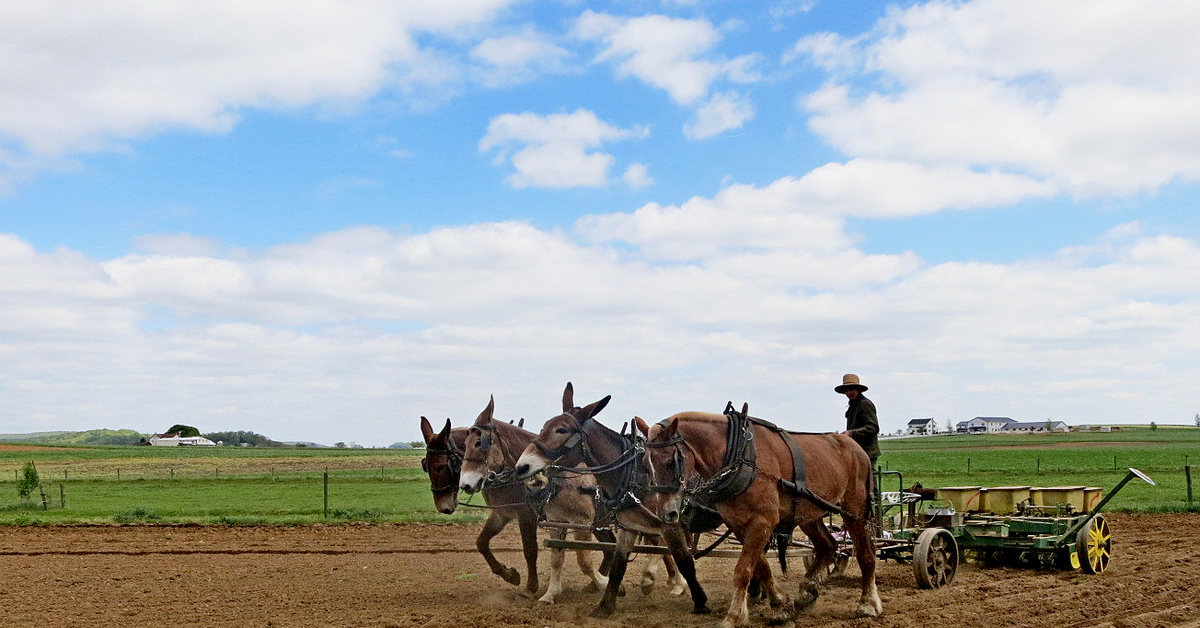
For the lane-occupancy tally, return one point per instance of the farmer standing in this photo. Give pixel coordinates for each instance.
(862, 424)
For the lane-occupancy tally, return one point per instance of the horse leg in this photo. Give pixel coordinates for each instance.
(584, 557)
(494, 524)
(556, 567)
(650, 571)
(616, 573)
(824, 550)
(529, 546)
(675, 582)
(604, 535)
(754, 540)
(781, 606)
(681, 551)
(869, 604)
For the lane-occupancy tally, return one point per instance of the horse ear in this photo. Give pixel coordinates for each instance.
(641, 426)
(568, 398)
(427, 430)
(521, 423)
(445, 434)
(592, 409)
(672, 428)
(485, 417)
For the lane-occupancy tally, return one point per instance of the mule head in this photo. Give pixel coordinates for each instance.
(665, 461)
(442, 462)
(480, 453)
(561, 440)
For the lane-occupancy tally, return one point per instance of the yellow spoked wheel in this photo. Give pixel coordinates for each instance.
(1094, 546)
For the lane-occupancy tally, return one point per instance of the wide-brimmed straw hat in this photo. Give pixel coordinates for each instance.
(849, 382)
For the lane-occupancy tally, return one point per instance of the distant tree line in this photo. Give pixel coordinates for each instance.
(239, 438)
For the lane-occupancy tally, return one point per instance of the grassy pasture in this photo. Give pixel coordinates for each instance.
(286, 486)
(1092, 459)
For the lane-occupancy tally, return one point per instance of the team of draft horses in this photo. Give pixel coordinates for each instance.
(687, 473)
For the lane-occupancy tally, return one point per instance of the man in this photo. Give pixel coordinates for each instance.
(862, 424)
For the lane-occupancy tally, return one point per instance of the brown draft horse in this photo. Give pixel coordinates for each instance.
(575, 438)
(489, 453)
(838, 472)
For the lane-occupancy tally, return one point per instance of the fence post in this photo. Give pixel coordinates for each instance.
(1187, 471)
(326, 491)
(45, 502)
(968, 466)
(1039, 470)
(62, 495)
(118, 473)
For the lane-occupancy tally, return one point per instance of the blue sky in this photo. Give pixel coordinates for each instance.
(322, 222)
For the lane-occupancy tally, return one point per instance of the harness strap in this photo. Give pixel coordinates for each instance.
(797, 484)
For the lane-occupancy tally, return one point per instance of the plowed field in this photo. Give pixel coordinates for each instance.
(430, 576)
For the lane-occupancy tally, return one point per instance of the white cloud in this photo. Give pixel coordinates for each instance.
(668, 53)
(769, 305)
(637, 177)
(116, 71)
(723, 112)
(520, 58)
(555, 150)
(1093, 98)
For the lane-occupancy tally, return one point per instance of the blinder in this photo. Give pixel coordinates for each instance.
(677, 466)
(454, 460)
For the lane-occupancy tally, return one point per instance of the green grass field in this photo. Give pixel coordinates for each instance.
(286, 485)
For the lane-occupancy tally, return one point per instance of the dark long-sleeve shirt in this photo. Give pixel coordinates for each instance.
(863, 425)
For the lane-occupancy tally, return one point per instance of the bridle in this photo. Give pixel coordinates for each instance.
(677, 466)
(454, 460)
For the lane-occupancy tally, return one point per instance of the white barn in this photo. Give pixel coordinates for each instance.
(174, 440)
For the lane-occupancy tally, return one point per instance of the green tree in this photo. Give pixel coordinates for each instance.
(183, 430)
(1153, 425)
(28, 481)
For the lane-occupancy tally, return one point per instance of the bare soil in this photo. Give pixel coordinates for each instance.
(409, 576)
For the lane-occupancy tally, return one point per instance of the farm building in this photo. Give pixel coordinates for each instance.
(174, 440)
(1037, 426)
(983, 425)
(921, 427)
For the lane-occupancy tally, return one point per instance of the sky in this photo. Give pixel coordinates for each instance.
(320, 221)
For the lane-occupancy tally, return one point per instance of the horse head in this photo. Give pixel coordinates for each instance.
(443, 462)
(562, 439)
(481, 453)
(667, 463)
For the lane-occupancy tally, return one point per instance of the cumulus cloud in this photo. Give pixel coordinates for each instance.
(675, 55)
(117, 72)
(1093, 98)
(555, 150)
(519, 58)
(367, 322)
(723, 112)
(637, 176)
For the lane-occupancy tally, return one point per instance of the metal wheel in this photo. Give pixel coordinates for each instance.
(1094, 545)
(935, 558)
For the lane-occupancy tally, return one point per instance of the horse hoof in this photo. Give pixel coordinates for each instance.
(591, 587)
(546, 599)
(807, 596)
(867, 609)
(701, 610)
(511, 576)
(621, 591)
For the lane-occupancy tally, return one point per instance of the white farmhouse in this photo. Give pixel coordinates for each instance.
(920, 427)
(175, 440)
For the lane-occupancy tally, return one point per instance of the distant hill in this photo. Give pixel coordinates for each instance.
(77, 439)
